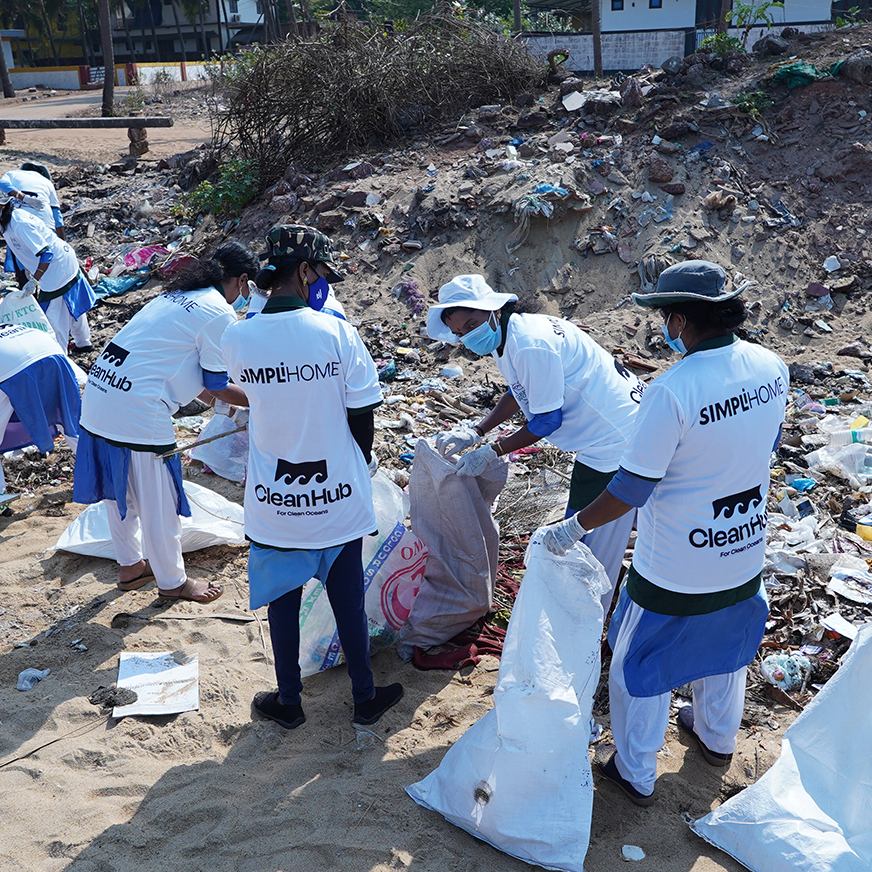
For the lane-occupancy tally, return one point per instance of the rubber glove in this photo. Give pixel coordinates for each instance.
(33, 202)
(31, 286)
(475, 462)
(559, 538)
(457, 439)
(372, 466)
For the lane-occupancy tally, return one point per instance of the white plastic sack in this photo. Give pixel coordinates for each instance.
(227, 457)
(812, 811)
(16, 307)
(452, 515)
(214, 521)
(520, 778)
(393, 564)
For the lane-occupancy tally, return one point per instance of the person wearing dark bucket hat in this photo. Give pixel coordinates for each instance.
(697, 469)
(312, 388)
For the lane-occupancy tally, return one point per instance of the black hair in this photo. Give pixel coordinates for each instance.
(6, 215)
(280, 269)
(36, 168)
(527, 306)
(229, 261)
(720, 317)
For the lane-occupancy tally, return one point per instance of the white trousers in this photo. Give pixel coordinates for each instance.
(81, 331)
(152, 513)
(608, 544)
(61, 321)
(6, 411)
(639, 723)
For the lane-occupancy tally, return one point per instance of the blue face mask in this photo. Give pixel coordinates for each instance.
(318, 292)
(484, 339)
(676, 344)
(239, 303)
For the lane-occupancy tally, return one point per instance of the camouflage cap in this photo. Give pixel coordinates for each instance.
(305, 243)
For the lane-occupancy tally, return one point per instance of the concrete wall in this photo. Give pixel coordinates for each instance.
(148, 72)
(59, 78)
(621, 51)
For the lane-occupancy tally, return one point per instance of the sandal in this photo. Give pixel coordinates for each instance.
(186, 592)
(139, 581)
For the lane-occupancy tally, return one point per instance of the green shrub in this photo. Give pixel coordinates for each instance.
(237, 184)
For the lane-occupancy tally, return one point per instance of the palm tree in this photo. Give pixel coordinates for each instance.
(108, 59)
(193, 9)
(5, 80)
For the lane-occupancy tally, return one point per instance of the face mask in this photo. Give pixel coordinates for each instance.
(240, 302)
(676, 344)
(484, 339)
(318, 292)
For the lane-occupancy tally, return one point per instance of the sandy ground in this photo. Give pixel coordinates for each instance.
(218, 789)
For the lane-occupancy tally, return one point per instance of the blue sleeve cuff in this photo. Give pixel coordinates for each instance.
(46, 256)
(58, 219)
(631, 489)
(545, 424)
(6, 187)
(509, 391)
(215, 381)
(778, 438)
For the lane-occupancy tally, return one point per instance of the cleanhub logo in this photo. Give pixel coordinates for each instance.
(741, 534)
(301, 473)
(113, 355)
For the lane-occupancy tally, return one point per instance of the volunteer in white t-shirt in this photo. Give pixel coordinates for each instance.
(697, 469)
(38, 388)
(167, 354)
(32, 188)
(570, 389)
(312, 388)
(64, 293)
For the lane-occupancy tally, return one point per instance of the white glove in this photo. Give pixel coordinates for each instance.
(456, 440)
(33, 202)
(372, 466)
(559, 538)
(475, 462)
(31, 286)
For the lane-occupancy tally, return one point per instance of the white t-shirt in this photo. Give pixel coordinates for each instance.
(22, 346)
(27, 236)
(307, 484)
(550, 364)
(34, 184)
(155, 364)
(706, 429)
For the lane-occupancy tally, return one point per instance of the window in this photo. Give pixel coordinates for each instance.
(617, 5)
(234, 6)
(655, 4)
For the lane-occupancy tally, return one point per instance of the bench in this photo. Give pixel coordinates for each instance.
(136, 127)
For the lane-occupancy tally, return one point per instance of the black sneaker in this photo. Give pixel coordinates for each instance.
(83, 349)
(713, 758)
(610, 770)
(288, 716)
(370, 711)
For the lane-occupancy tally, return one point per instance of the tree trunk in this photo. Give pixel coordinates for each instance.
(516, 9)
(5, 80)
(131, 50)
(86, 36)
(292, 16)
(177, 15)
(153, 30)
(108, 59)
(597, 27)
(304, 24)
(726, 5)
(48, 32)
(207, 48)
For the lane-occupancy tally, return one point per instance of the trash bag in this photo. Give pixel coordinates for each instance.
(227, 457)
(393, 568)
(520, 778)
(214, 521)
(452, 515)
(810, 811)
(16, 307)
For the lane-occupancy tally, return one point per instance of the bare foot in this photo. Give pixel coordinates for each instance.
(194, 591)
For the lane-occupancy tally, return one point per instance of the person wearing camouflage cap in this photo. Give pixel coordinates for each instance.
(312, 386)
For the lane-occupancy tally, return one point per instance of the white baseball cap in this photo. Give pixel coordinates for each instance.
(469, 292)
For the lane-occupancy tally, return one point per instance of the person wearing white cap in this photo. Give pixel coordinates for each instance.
(570, 389)
(64, 294)
(697, 469)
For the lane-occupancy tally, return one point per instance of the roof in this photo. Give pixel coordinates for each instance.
(578, 7)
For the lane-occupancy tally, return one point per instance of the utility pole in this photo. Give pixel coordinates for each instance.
(108, 59)
(597, 27)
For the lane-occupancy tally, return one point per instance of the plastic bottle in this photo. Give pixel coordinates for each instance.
(847, 437)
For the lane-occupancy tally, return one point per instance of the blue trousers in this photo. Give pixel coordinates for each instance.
(345, 590)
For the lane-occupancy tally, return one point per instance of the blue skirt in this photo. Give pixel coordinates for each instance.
(102, 470)
(80, 298)
(668, 651)
(43, 395)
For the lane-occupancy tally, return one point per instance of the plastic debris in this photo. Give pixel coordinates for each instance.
(788, 672)
(632, 852)
(28, 678)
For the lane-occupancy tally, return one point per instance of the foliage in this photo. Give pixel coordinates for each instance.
(747, 16)
(852, 18)
(355, 87)
(236, 186)
(752, 102)
(721, 43)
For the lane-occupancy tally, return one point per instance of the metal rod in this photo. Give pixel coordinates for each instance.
(203, 441)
